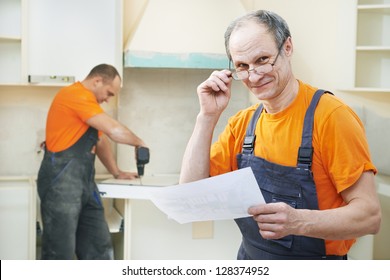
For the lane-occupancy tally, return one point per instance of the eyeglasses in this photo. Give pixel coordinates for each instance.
(262, 69)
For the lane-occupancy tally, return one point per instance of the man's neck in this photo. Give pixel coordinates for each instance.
(284, 99)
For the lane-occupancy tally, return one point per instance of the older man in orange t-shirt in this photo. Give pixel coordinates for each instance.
(307, 149)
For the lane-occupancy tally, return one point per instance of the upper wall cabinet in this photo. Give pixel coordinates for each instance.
(10, 41)
(372, 68)
(361, 54)
(47, 39)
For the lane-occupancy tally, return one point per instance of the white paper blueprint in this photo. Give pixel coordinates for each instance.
(226, 196)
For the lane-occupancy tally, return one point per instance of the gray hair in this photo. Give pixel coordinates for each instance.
(277, 26)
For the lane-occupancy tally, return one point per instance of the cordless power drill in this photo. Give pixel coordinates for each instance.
(142, 157)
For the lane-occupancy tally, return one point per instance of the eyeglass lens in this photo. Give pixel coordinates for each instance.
(260, 70)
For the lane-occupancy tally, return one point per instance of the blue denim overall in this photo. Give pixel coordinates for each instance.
(71, 208)
(292, 185)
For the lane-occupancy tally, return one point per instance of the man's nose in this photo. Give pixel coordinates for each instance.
(254, 76)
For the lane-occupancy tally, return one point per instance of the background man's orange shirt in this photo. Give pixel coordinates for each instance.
(341, 151)
(66, 120)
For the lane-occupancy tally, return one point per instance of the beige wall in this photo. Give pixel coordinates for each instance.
(22, 121)
(161, 106)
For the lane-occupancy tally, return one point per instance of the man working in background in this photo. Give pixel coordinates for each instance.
(307, 149)
(76, 129)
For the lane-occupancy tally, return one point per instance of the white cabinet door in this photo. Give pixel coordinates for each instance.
(68, 38)
(10, 41)
(17, 218)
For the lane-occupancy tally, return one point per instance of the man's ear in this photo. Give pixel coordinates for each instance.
(288, 47)
(97, 81)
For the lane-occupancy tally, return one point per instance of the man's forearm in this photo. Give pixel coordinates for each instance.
(104, 153)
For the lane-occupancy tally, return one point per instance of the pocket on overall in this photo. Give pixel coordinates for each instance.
(277, 190)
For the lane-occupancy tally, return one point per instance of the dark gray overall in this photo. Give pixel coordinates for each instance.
(292, 185)
(71, 208)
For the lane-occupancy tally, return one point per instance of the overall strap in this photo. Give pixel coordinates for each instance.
(305, 152)
(250, 137)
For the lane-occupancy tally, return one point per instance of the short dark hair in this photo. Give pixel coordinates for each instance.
(276, 25)
(106, 71)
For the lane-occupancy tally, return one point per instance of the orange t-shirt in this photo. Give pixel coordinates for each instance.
(341, 151)
(71, 107)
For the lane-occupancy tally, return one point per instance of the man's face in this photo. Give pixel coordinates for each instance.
(251, 46)
(104, 91)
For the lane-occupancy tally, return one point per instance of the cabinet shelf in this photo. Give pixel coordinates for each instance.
(24, 85)
(375, 8)
(373, 48)
(4, 39)
(373, 2)
(366, 90)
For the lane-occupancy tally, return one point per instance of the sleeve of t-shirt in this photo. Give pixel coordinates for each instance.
(220, 155)
(223, 153)
(85, 106)
(345, 148)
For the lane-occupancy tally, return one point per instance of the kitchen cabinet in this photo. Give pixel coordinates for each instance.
(68, 38)
(57, 41)
(130, 190)
(17, 218)
(372, 46)
(10, 41)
